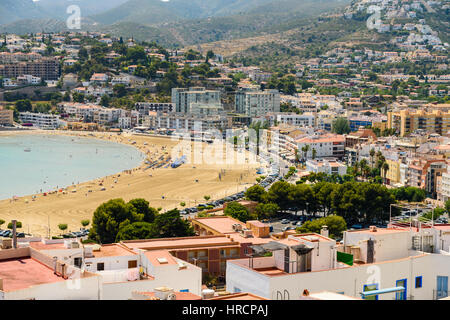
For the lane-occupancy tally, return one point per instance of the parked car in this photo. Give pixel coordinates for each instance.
(284, 221)
(356, 226)
(298, 224)
(287, 228)
(6, 233)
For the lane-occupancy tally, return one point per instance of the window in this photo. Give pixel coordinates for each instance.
(400, 295)
(132, 264)
(370, 287)
(419, 282)
(100, 266)
(77, 262)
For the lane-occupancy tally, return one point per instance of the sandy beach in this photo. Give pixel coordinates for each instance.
(162, 187)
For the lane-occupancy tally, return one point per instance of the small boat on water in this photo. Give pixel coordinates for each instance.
(27, 149)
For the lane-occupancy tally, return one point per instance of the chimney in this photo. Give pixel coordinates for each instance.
(55, 263)
(14, 226)
(1, 284)
(324, 231)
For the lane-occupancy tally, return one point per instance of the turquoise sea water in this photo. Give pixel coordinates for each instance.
(58, 161)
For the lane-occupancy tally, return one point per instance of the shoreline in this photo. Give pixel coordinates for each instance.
(163, 187)
(72, 134)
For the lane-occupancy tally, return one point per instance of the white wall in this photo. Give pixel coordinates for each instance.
(240, 278)
(349, 280)
(111, 263)
(387, 246)
(89, 288)
(169, 275)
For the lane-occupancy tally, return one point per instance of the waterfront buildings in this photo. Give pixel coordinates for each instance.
(257, 103)
(182, 98)
(6, 116)
(40, 120)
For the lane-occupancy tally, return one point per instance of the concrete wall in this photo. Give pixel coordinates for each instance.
(169, 275)
(388, 246)
(14, 253)
(241, 279)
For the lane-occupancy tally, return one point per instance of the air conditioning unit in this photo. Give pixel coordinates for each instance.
(237, 227)
(208, 294)
(6, 243)
(88, 252)
(247, 233)
(163, 293)
(75, 245)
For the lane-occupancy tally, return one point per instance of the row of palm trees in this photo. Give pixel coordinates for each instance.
(363, 167)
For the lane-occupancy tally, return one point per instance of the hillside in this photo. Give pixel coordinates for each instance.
(88, 7)
(287, 14)
(151, 12)
(13, 10)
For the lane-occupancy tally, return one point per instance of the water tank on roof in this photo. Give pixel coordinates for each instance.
(208, 294)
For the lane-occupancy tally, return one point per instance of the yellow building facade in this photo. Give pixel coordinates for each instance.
(406, 121)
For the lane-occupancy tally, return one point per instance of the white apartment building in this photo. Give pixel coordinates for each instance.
(182, 98)
(145, 107)
(200, 109)
(327, 145)
(186, 122)
(125, 80)
(106, 115)
(40, 120)
(444, 194)
(257, 103)
(298, 120)
(29, 79)
(328, 166)
(119, 270)
(381, 259)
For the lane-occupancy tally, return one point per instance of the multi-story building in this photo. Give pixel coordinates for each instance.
(423, 173)
(40, 120)
(406, 121)
(293, 119)
(328, 166)
(182, 98)
(46, 69)
(257, 103)
(385, 261)
(6, 116)
(327, 145)
(145, 107)
(444, 187)
(187, 122)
